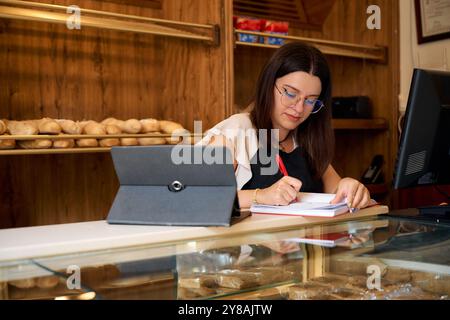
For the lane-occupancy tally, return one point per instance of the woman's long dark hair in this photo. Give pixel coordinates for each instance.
(315, 135)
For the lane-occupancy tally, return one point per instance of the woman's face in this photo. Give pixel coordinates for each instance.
(295, 86)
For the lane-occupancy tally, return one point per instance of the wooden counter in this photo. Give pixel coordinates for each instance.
(44, 241)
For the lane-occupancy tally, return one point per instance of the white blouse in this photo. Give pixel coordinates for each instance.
(242, 140)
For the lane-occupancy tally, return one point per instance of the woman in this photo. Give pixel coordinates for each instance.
(292, 95)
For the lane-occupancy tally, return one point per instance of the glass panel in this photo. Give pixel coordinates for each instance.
(382, 258)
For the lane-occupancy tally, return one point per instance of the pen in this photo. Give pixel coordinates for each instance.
(281, 165)
(282, 168)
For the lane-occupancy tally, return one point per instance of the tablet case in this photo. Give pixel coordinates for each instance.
(154, 190)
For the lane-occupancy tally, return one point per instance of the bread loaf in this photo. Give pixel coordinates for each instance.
(173, 128)
(22, 127)
(151, 141)
(150, 125)
(2, 127)
(63, 143)
(87, 143)
(112, 129)
(93, 127)
(131, 126)
(35, 144)
(129, 142)
(83, 124)
(113, 121)
(7, 144)
(69, 126)
(169, 126)
(48, 126)
(111, 142)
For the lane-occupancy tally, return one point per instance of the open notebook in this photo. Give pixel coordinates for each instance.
(309, 204)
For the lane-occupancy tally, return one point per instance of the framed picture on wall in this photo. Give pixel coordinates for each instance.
(432, 20)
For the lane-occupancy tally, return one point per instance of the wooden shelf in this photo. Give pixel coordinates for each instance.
(19, 151)
(336, 48)
(360, 124)
(43, 12)
(96, 136)
(14, 152)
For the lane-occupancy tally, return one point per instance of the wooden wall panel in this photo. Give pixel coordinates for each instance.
(347, 22)
(48, 70)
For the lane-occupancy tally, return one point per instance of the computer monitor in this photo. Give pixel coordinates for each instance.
(424, 151)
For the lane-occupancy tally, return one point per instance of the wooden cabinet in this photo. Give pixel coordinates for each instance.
(93, 73)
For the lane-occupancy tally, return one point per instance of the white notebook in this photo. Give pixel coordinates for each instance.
(309, 204)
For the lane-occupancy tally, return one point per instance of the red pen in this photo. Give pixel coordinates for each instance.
(281, 165)
(282, 169)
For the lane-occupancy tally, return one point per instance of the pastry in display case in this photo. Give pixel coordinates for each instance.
(383, 259)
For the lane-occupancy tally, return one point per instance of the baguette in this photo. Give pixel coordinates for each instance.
(69, 126)
(173, 128)
(83, 124)
(22, 127)
(35, 144)
(87, 143)
(7, 144)
(113, 121)
(63, 143)
(149, 125)
(93, 127)
(170, 126)
(112, 129)
(131, 126)
(111, 142)
(48, 126)
(2, 127)
(129, 142)
(152, 141)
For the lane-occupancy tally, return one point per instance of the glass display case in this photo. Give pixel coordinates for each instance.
(375, 258)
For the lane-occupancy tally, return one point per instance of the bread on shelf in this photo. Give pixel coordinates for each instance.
(87, 143)
(22, 127)
(7, 143)
(63, 143)
(150, 125)
(109, 126)
(48, 126)
(69, 126)
(2, 127)
(151, 141)
(129, 142)
(35, 144)
(131, 126)
(111, 142)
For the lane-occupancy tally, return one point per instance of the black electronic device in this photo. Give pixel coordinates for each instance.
(175, 185)
(358, 107)
(424, 152)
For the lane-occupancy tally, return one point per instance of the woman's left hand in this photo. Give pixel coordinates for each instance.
(356, 193)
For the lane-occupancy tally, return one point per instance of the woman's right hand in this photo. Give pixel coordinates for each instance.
(281, 193)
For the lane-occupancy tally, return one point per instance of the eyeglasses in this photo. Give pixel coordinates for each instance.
(289, 99)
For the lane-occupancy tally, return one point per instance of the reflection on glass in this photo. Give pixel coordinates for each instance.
(371, 259)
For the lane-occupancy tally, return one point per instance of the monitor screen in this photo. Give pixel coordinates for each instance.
(424, 151)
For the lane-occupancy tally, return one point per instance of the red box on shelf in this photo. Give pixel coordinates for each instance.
(248, 24)
(275, 27)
